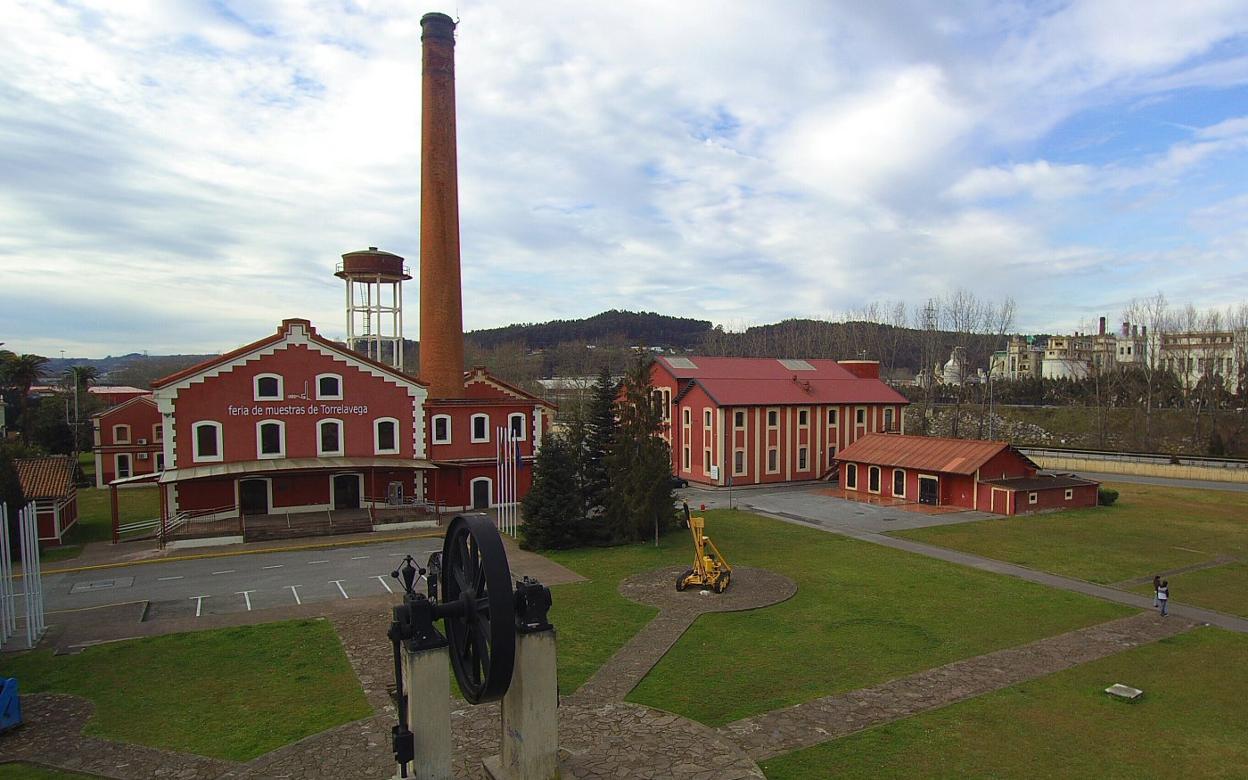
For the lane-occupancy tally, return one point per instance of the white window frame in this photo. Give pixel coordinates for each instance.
(706, 417)
(255, 388)
(117, 437)
(902, 472)
(472, 429)
(117, 465)
(889, 417)
(738, 419)
(879, 479)
(198, 457)
(770, 451)
(803, 418)
(377, 450)
(158, 433)
(1033, 498)
(472, 490)
(744, 466)
(433, 429)
(1070, 494)
(321, 397)
(511, 426)
(803, 454)
(834, 417)
(342, 439)
(281, 440)
(851, 476)
(160, 462)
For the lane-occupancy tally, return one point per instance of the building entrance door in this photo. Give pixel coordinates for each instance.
(929, 490)
(481, 494)
(253, 497)
(346, 491)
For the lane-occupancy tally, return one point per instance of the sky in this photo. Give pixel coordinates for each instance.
(179, 176)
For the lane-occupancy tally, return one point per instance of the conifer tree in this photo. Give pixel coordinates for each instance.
(639, 497)
(600, 430)
(553, 509)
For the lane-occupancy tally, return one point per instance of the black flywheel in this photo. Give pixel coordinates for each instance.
(478, 604)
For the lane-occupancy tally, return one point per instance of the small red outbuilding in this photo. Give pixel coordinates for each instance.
(48, 482)
(991, 476)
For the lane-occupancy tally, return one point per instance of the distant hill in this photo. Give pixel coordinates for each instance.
(609, 327)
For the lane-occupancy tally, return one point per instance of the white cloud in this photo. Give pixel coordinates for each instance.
(1040, 179)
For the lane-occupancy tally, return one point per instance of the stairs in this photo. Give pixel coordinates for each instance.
(268, 527)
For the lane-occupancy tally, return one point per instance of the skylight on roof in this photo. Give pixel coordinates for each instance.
(680, 362)
(797, 365)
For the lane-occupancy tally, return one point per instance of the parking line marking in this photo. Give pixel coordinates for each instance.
(274, 566)
(224, 571)
(199, 604)
(397, 555)
(384, 584)
(246, 594)
(358, 557)
(295, 590)
(166, 579)
(312, 562)
(340, 590)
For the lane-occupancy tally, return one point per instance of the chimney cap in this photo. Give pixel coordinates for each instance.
(437, 25)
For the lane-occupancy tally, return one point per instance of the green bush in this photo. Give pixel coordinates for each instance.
(1106, 496)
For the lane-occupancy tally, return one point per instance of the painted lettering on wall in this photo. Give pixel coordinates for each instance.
(295, 410)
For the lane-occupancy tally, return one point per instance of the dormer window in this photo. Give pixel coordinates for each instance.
(267, 387)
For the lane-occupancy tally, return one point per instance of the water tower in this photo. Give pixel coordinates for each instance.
(375, 303)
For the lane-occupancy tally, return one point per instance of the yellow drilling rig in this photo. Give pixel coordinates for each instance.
(710, 570)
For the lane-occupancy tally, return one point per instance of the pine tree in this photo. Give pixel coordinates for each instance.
(600, 431)
(639, 497)
(553, 516)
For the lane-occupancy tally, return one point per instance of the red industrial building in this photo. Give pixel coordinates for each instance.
(762, 420)
(991, 476)
(48, 482)
(129, 440)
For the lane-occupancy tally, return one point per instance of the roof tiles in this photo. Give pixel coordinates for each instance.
(47, 477)
(768, 381)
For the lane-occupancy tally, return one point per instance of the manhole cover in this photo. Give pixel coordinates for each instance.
(94, 585)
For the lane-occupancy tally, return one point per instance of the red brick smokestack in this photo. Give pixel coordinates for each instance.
(441, 310)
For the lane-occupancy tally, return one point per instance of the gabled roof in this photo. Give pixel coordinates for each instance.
(146, 398)
(283, 332)
(47, 477)
(481, 375)
(768, 381)
(928, 453)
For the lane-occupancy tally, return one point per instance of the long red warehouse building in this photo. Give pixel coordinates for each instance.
(763, 420)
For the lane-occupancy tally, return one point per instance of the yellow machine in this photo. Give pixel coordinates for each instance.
(710, 570)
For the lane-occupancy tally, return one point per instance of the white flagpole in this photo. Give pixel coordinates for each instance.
(498, 474)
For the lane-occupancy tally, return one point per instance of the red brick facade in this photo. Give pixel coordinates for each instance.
(129, 440)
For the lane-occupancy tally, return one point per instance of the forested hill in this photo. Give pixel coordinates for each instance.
(609, 327)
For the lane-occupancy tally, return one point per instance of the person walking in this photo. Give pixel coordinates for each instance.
(1156, 587)
(1163, 595)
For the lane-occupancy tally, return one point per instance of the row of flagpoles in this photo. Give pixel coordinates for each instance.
(507, 451)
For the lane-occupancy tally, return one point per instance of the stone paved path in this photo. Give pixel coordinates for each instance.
(820, 720)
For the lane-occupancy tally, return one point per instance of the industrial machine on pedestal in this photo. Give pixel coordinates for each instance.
(500, 646)
(710, 570)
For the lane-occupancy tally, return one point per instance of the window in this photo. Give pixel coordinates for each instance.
(801, 458)
(206, 438)
(831, 417)
(329, 437)
(860, 416)
(121, 434)
(738, 462)
(706, 417)
(831, 455)
(1069, 494)
(267, 387)
(773, 460)
(158, 433)
(738, 418)
(686, 417)
(851, 476)
(123, 466)
(773, 418)
(480, 428)
(706, 460)
(441, 429)
(386, 436)
(160, 461)
(328, 387)
(899, 483)
(515, 422)
(888, 419)
(270, 439)
(686, 459)
(1033, 498)
(802, 417)
(873, 479)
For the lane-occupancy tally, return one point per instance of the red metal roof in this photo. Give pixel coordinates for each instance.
(929, 453)
(768, 381)
(47, 477)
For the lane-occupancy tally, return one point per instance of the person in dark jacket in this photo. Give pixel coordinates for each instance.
(1156, 587)
(1163, 595)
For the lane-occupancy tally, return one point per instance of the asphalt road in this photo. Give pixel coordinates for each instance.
(213, 586)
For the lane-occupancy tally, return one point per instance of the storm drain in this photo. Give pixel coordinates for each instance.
(94, 585)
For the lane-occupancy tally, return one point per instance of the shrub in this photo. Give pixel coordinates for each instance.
(1106, 496)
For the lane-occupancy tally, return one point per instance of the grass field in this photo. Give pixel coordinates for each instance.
(1150, 529)
(233, 693)
(1224, 588)
(95, 518)
(863, 614)
(1189, 723)
(19, 771)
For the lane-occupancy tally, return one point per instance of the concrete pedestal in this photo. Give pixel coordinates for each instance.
(530, 738)
(427, 680)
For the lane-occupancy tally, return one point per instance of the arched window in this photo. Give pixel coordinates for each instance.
(270, 439)
(441, 428)
(873, 479)
(515, 422)
(267, 387)
(851, 476)
(329, 437)
(386, 436)
(480, 428)
(328, 387)
(206, 441)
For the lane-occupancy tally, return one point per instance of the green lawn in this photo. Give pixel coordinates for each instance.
(1189, 723)
(1150, 529)
(233, 693)
(95, 518)
(18, 771)
(863, 614)
(1224, 588)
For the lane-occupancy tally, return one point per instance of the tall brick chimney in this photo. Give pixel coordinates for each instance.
(441, 309)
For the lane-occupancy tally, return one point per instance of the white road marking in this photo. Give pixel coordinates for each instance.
(358, 557)
(340, 590)
(274, 566)
(312, 562)
(246, 594)
(199, 604)
(166, 579)
(397, 555)
(295, 590)
(224, 571)
(384, 584)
